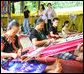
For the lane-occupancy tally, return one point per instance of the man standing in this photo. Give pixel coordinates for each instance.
(26, 21)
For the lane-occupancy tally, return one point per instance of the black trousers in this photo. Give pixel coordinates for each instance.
(45, 31)
(49, 23)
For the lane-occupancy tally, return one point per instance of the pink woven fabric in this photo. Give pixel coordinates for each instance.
(59, 48)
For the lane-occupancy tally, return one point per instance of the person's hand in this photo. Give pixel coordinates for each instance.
(28, 21)
(41, 15)
(19, 52)
(14, 55)
(46, 15)
(78, 32)
(50, 40)
(51, 15)
(57, 36)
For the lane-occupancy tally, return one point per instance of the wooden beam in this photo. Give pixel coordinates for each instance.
(38, 5)
(5, 6)
(14, 1)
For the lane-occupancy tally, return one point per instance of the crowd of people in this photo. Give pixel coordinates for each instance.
(10, 42)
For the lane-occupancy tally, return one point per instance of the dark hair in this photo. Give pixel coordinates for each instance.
(49, 4)
(38, 21)
(43, 7)
(25, 7)
(13, 23)
(66, 22)
(56, 19)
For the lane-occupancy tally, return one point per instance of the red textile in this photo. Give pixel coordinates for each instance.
(59, 48)
(46, 60)
(2, 5)
(68, 66)
(71, 66)
(56, 49)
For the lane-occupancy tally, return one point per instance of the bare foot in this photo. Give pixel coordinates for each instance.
(80, 57)
(55, 68)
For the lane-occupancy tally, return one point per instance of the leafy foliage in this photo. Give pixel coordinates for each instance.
(33, 5)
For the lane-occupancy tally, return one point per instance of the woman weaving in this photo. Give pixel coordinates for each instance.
(38, 39)
(10, 41)
(11, 47)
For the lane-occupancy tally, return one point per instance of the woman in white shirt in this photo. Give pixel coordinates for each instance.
(50, 14)
(42, 15)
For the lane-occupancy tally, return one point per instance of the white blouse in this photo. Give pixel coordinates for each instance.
(42, 13)
(49, 13)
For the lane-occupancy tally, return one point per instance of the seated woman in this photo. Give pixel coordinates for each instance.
(65, 30)
(53, 29)
(37, 38)
(10, 43)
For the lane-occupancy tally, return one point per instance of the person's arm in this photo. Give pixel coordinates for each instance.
(37, 43)
(53, 14)
(68, 32)
(29, 13)
(51, 33)
(20, 47)
(46, 13)
(40, 14)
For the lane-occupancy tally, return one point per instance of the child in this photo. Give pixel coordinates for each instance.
(53, 28)
(65, 30)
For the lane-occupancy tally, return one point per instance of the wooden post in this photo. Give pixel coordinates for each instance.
(9, 7)
(5, 5)
(9, 11)
(13, 9)
(39, 5)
